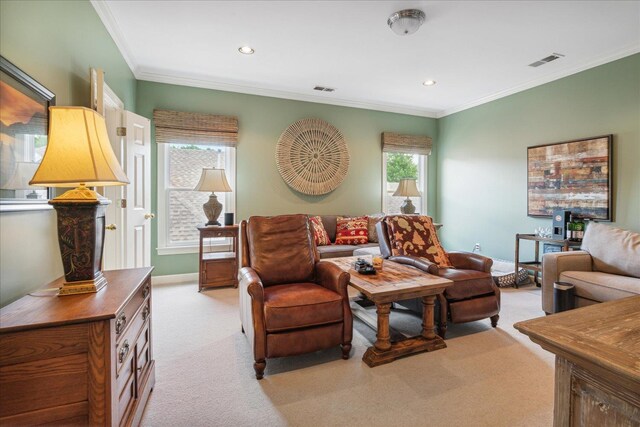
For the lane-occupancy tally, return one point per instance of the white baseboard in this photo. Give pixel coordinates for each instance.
(174, 278)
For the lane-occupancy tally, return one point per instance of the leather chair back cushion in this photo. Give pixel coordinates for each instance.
(281, 249)
(613, 250)
(415, 235)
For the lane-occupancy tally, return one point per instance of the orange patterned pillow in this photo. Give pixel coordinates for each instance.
(415, 235)
(320, 235)
(352, 231)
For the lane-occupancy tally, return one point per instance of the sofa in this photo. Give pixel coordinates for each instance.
(606, 268)
(335, 251)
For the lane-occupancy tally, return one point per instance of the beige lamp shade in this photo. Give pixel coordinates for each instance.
(22, 174)
(78, 151)
(407, 188)
(213, 180)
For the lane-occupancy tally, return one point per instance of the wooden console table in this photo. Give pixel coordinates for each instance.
(597, 362)
(536, 264)
(82, 359)
(218, 268)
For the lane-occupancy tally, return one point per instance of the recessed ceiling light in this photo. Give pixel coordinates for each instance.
(429, 82)
(247, 50)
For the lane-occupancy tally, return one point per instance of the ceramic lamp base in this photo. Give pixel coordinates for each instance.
(407, 207)
(212, 209)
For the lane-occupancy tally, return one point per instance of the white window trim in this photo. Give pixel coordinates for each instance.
(422, 183)
(164, 247)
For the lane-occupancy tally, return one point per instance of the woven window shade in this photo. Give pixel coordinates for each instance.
(195, 128)
(410, 144)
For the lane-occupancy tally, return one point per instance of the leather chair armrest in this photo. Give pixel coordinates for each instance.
(418, 262)
(332, 277)
(252, 311)
(553, 264)
(470, 261)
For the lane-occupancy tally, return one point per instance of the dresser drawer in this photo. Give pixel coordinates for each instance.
(143, 351)
(125, 348)
(125, 316)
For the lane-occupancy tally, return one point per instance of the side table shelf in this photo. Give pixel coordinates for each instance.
(536, 264)
(218, 268)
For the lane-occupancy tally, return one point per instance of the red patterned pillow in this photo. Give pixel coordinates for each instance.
(415, 235)
(352, 231)
(320, 235)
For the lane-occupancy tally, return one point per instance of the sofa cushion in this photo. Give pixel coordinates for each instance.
(599, 286)
(330, 222)
(369, 249)
(415, 235)
(299, 305)
(613, 250)
(352, 231)
(373, 220)
(319, 233)
(335, 251)
(467, 283)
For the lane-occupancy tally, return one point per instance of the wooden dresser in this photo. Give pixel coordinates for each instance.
(80, 359)
(597, 362)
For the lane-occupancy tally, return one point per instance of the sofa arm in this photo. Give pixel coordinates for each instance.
(470, 261)
(252, 310)
(418, 262)
(332, 277)
(553, 264)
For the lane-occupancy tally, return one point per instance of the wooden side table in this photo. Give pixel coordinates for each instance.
(218, 268)
(536, 264)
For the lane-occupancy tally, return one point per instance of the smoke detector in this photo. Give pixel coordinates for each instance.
(406, 21)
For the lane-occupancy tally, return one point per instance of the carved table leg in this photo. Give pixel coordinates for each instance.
(383, 337)
(428, 326)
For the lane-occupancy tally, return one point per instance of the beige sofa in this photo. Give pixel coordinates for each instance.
(606, 268)
(335, 251)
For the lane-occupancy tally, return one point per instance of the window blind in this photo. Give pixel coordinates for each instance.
(195, 128)
(410, 144)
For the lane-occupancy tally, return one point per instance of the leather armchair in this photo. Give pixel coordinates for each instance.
(290, 302)
(473, 295)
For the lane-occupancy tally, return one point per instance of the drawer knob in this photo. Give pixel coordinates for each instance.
(145, 291)
(121, 322)
(123, 351)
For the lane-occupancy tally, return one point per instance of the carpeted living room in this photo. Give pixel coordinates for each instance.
(319, 213)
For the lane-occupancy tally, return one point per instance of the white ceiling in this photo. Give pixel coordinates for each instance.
(477, 51)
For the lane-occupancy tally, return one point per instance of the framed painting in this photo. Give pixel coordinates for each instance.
(24, 123)
(572, 175)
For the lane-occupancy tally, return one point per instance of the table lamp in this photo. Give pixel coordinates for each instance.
(20, 179)
(213, 180)
(79, 154)
(407, 188)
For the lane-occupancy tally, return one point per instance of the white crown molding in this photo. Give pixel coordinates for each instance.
(622, 53)
(108, 20)
(160, 77)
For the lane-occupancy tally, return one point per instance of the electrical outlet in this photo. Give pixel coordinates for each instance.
(476, 248)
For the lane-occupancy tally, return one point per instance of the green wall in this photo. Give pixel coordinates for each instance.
(56, 42)
(260, 189)
(482, 153)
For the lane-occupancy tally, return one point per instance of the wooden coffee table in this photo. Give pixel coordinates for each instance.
(397, 282)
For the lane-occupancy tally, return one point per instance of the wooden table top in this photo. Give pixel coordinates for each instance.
(394, 282)
(44, 308)
(606, 335)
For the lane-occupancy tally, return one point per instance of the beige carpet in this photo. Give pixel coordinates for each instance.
(486, 376)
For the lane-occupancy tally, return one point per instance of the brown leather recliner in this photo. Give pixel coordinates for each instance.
(473, 295)
(290, 302)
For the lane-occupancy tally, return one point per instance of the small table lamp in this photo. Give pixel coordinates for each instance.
(20, 179)
(213, 180)
(407, 188)
(78, 154)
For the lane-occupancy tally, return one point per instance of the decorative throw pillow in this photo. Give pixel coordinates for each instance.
(373, 220)
(415, 235)
(320, 235)
(352, 231)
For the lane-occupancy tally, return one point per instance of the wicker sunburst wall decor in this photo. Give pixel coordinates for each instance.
(312, 157)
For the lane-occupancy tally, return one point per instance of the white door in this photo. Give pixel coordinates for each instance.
(138, 215)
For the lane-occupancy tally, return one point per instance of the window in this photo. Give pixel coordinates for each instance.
(180, 167)
(396, 166)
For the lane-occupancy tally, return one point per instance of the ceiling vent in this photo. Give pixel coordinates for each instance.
(546, 60)
(324, 89)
